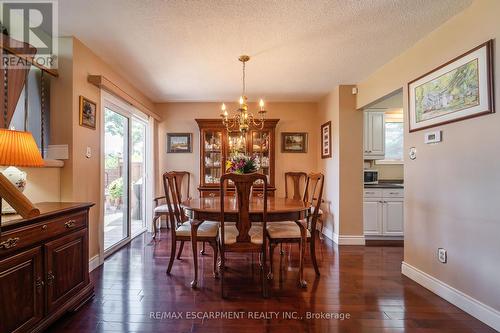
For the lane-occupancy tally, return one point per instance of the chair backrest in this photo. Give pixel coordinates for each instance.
(296, 178)
(173, 198)
(243, 188)
(313, 194)
(180, 177)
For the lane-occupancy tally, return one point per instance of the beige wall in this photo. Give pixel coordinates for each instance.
(80, 176)
(294, 117)
(343, 192)
(452, 188)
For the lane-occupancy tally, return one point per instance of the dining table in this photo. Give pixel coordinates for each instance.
(199, 210)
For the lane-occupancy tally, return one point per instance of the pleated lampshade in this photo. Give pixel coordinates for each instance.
(19, 149)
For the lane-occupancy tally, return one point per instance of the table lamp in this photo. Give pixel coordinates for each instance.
(17, 149)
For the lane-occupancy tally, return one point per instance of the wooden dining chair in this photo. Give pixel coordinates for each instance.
(243, 236)
(298, 180)
(180, 226)
(162, 210)
(289, 232)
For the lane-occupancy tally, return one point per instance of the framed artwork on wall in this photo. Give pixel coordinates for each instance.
(326, 140)
(179, 142)
(88, 113)
(459, 89)
(293, 142)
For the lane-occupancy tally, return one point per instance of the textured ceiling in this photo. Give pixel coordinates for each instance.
(187, 50)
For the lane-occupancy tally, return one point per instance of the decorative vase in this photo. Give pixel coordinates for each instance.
(18, 178)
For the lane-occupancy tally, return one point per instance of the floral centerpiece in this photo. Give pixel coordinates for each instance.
(240, 164)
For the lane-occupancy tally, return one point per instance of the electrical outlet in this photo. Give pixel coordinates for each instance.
(442, 256)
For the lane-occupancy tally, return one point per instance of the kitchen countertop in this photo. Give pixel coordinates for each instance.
(387, 184)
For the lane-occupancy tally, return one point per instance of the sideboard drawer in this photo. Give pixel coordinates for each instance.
(26, 236)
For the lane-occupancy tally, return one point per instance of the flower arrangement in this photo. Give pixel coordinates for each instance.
(241, 164)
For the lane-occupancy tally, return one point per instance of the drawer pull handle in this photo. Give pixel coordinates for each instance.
(44, 227)
(211, 195)
(9, 243)
(70, 224)
(393, 192)
(39, 283)
(369, 192)
(50, 278)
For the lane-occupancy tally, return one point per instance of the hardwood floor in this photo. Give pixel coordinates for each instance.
(133, 294)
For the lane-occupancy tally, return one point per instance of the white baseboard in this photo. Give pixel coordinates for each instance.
(343, 239)
(94, 262)
(472, 306)
(349, 239)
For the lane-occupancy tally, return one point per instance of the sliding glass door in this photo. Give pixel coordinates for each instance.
(125, 169)
(116, 169)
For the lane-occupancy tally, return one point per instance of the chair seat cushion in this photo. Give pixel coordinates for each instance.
(231, 232)
(161, 209)
(206, 229)
(280, 230)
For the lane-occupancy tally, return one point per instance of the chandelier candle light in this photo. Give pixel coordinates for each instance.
(242, 120)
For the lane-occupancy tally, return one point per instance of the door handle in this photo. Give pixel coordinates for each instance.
(70, 224)
(9, 243)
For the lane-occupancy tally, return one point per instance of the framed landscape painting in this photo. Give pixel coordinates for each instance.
(457, 90)
(179, 142)
(326, 140)
(293, 142)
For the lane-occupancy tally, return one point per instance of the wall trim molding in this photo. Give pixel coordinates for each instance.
(94, 262)
(472, 306)
(343, 239)
(349, 239)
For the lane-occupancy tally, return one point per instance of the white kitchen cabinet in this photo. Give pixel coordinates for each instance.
(383, 215)
(374, 135)
(392, 220)
(372, 217)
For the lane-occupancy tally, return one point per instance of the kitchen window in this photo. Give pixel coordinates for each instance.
(394, 133)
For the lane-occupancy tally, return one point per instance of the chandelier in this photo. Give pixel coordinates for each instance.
(242, 120)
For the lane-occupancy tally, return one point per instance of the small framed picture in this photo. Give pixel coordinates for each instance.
(88, 113)
(326, 140)
(293, 142)
(179, 143)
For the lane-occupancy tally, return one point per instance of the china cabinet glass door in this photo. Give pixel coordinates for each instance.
(212, 160)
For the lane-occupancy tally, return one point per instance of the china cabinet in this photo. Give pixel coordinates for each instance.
(217, 145)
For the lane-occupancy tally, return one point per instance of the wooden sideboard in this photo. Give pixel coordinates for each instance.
(216, 145)
(44, 266)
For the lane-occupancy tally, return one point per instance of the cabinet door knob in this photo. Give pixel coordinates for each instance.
(9, 243)
(50, 278)
(211, 195)
(39, 283)
(70, 224)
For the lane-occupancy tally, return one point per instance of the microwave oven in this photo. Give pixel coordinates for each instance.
(371, 176)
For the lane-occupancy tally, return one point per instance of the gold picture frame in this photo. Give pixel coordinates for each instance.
(88, 113)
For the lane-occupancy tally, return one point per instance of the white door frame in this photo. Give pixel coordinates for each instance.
(130, 112)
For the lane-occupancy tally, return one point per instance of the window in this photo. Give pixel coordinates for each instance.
(394, 133)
